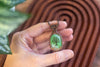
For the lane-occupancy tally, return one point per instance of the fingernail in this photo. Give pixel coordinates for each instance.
(69, 54)
(70, 30)
(63, 24)
(71, 37)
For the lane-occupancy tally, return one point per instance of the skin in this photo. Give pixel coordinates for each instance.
(29, 46)
(23, 7)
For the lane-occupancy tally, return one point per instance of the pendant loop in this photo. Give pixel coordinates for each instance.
(54, 26)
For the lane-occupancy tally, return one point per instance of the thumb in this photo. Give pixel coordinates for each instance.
(57, 57)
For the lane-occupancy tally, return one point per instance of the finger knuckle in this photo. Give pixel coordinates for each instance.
(60, 57)
(42, 25)
(16, 34)
(57, 57)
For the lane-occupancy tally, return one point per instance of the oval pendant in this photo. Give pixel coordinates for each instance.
(55, 42)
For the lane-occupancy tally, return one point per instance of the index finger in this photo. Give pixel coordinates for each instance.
(38, 29)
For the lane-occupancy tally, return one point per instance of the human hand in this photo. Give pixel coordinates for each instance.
(29, 46)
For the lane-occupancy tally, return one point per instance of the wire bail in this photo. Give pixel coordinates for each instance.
(54, 26)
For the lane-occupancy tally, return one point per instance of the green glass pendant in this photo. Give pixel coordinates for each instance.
(55, 39)
(56, 42)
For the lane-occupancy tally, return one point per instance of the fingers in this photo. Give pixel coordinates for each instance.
(38, 29)
(43, 45)
(45, 36)
(45, 50)
(69, 38)
(42, 38)
(57, 57)
(66, 32)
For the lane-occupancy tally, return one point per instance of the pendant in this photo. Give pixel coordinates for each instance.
(55, 39)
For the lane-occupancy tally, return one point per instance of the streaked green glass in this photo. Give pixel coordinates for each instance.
(56, 42)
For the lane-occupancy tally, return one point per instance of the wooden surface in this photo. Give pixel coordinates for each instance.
(81, 15)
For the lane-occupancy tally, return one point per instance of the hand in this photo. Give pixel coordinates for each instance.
(29, 46)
